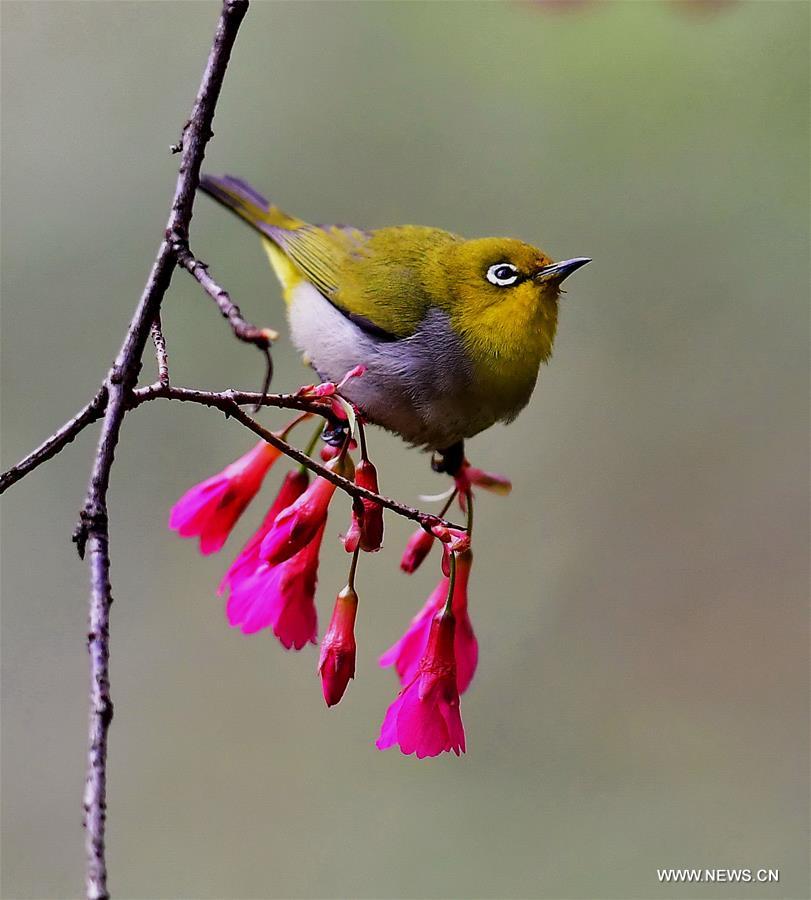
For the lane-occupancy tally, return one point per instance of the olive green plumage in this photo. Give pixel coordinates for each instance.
(452, 331)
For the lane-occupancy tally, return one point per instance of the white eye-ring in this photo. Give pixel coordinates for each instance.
(503, 274)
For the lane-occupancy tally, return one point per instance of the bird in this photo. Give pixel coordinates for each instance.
(451, 332)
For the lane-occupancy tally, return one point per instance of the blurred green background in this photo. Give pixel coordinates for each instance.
(640, 599)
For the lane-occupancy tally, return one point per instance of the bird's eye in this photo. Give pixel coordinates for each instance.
(503, 274)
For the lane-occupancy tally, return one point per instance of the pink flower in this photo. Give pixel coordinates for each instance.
(296, 525)
(211, 508)
(367, 517)
(425, 717)
(248, 561)
(336, 663)
(281, 597)
(405, 654)
(418, 547)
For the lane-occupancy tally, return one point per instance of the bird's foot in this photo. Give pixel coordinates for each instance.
(335, 433)
(450, 461)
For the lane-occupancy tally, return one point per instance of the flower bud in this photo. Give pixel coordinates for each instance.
(336, 663)
(298, 524)
(371, 525)
(328, 452)
(352, 537)
(418, 547)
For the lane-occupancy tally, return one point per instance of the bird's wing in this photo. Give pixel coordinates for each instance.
(238, 196)
(321, 253)
(375, 278)
(317, 253)
(328, 257)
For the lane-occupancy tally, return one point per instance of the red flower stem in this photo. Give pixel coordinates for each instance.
(364, 455)
(288, 428)
(312, 445)
(448, 611)
(450, 500)
(350, 579)
(469, 498)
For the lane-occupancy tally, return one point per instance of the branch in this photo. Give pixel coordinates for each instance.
(92, 533)
(96, 408)
(161, 356)
(229, 402)
(57, 441)
(243, 330)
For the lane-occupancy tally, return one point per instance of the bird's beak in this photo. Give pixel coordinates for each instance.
(560, 270)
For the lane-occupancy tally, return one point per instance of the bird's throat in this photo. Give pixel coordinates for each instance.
(507, 350)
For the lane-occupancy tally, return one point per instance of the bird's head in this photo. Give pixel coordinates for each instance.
(505, 295)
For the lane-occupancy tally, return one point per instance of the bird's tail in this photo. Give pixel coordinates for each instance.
(238, 196)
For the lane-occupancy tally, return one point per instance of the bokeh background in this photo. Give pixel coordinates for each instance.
(640, 599)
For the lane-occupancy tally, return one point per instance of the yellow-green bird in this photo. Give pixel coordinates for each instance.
(451, 331)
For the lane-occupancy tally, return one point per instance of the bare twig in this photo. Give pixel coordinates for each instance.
(229, 402)
(409, 512)
(57, 441)
(216, 399)
(243, 330)
(250, 334)
(97, 406)
(160, 351)
(93, 533)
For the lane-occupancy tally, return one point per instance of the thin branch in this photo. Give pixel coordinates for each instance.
(160, 351)
(228, 402)
(93, 534)
(243, 330)
(219, 399)
(408, 512)
(97, 406)
(57, 441)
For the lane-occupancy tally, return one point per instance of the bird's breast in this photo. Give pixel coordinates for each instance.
(423, 387)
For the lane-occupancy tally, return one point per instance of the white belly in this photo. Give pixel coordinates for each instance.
(420, 387)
